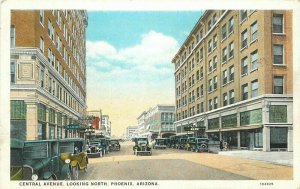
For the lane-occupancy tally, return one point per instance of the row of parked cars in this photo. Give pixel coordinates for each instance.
(100, 146)
(57, 159)
(190, 143)
(48, 159)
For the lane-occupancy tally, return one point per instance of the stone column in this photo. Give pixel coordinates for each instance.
(47, 123)
(238, 140)
(290, 139)
(56, 124)
(266, 139)
(31, 120)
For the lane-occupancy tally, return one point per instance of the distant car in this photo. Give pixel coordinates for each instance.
(190, 144)
(94, 150)
(114, 145)
(160, 143)
(182, 143)
(141, 146)
(104, 144)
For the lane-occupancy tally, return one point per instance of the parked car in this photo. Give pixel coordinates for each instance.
(160, 143)
(182, 143)
(16, 160)
(201, 145)
(172, 143)
(41, 161)
(73, 152)
(94, 149)
(141, 146)
(190, 144)
(114, 145)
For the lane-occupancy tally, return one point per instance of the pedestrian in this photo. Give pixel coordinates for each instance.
(225, 146)
(229, 143)
(221, 145)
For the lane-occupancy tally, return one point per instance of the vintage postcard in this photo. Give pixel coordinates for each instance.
(148, 94)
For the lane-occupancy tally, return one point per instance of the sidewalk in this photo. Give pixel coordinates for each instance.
(280, 158)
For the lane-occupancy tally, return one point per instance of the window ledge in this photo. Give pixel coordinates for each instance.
(224, 84)
(224, 39)
(214, 49)
(283, 34)
(245, 19)
(224, 62)
(230, 58)
(245, 74)
(253, 41)
(244, 48)
(256, 69)
(231, 81)
(230, 34)
(280, 65)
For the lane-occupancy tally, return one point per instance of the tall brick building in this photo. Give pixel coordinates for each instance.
(233, 76)
(48, 73)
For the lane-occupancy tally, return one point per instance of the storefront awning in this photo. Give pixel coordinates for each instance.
(235, 128)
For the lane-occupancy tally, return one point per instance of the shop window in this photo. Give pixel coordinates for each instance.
(213, 123)
(278, 114)
(229, 121)
(278, 137)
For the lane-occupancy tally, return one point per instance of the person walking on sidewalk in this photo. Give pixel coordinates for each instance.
(221, 145)
(229, 143)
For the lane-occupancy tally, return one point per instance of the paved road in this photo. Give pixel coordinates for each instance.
(162, 165)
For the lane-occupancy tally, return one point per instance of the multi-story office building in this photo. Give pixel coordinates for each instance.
(105, 125)
(131, 131)
(48, 73)
(234, 76)
(157, 121)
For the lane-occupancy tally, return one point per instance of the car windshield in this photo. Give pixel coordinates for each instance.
(114, 141)
(95, 144)
(192, 140)
(202, 140)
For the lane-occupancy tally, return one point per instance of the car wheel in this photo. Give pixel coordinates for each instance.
(74, 173)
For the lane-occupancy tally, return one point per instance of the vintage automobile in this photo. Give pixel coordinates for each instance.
(201, 145)
(160, 143)
(141, 146)
(190, 143)
(172, 142)
(73, 153)
(104, 144)
(94, 149)
(182, 143)
(16, 161)
(114, 145)
(41, 161)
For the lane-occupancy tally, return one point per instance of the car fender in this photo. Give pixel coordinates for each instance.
(49, 174)
(74, 163)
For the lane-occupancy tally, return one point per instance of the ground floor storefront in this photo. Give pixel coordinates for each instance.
(264, 123)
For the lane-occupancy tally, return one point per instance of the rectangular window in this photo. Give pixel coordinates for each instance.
(197, 75)
(201, 53)
(215, 82)
(230, 25)
(224, 55)
(42, 15)
(215, 102)
(225, 99)
(251, 117)
(278, 54)
(209, 24)
(209, 46)
(277, 23)
(201, 72)
(243, 15)
(12, 36)
(245, 91)
(244, 65)
(231, 50)
(231, 96)
(210, 85)
(278, 114)
(231, 73)
(229, 121)
(12, 72)
(224, 77)
(210, 66)
(254, 60)
(215, 41)
(198, 92)
(42, 45)
(278, 85)
(244, 39)
(215, 62)
(254, 31)
(42, 75)
(210, 104)
(201, 90)
(254, 88)
(224, 31)
(214, 18)
(213, 123)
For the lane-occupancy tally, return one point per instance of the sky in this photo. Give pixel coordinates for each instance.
(129, 58)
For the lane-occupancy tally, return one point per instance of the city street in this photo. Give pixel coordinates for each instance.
(173, 164)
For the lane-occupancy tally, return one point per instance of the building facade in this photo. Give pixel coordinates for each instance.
(233, 76)
(48, 73)
(157, 122)
(131, 131)
(105, 125)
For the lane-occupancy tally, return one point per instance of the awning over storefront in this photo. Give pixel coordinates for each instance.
(235, 129)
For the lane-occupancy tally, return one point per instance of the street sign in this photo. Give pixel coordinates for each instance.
(72, 127)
